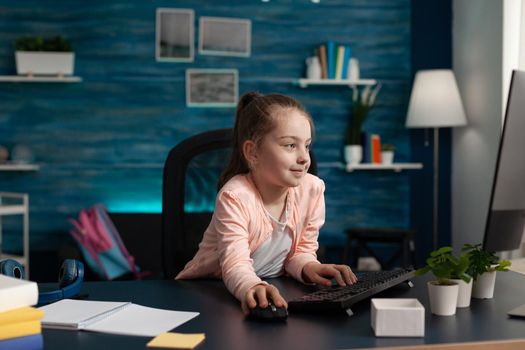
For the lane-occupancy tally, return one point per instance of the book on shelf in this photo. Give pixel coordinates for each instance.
(30, 342)
(339, 62)
(321, 52)
(346, 62)
(123, 318)
(16, 293)
(365, 144)
(330, 58)
(376, 148)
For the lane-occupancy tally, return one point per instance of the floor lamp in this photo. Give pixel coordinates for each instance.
(435, 103)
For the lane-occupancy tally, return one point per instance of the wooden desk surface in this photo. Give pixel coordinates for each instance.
(226, 328)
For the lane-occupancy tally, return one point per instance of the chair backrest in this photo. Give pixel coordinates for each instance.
(191, 171)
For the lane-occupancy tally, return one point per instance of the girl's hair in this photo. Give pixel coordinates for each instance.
(255, 117)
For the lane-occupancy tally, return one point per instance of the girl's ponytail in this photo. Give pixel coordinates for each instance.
(237, 164)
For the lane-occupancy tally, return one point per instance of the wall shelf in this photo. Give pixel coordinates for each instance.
(18, 258)
(16, 204)
(19, 167)
(397, 167)
(39, 79)
(330, 82)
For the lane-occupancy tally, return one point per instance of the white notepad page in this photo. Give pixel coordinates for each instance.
(112, 317)
(76, 314)
(141, 320)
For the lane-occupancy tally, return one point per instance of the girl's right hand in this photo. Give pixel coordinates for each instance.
(259, 294)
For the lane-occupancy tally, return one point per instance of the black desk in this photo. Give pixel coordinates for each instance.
(225, 327)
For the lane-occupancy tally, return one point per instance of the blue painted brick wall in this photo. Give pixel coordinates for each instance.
(105, 139)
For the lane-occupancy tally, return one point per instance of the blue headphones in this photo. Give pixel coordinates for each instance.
(69, 279)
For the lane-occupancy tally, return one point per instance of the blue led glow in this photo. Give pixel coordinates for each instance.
(135, 206)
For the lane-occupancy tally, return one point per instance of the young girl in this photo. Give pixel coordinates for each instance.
(268, 210)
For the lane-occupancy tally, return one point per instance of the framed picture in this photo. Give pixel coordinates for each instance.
(225, 36)
(212, 87)
(174, 35)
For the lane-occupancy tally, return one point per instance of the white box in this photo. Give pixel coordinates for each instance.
(397, 317)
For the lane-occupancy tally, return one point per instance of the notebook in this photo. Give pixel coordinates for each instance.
(112, 317)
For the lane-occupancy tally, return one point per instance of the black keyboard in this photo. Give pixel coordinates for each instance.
(337, 298)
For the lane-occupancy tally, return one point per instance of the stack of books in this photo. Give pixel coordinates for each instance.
(371, 144)
(334, 59)
(20, 324)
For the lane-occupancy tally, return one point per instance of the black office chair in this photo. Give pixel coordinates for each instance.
(191, 171)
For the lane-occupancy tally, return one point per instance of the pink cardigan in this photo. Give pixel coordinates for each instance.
(240, 225)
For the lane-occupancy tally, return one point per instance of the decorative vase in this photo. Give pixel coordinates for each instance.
(443, 298)
(483, 287)
(353, 69)
(353, 154)
(465, 292)
(387, 157)
(313, 68)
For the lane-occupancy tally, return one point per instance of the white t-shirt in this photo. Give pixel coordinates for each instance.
(268, 259)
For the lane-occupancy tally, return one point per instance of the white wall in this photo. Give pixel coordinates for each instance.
(511, 46)
(477, 61)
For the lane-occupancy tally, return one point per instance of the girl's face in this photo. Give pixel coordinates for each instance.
(282, 157)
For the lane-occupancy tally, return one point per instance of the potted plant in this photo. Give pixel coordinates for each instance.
(44, 56)
(463, 279)
(443, 292)
(483, 266)
(387, 153)
(362, 102)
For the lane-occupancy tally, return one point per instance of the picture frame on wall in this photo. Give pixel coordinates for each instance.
(174, 35)
(223, 36)
(212, 87)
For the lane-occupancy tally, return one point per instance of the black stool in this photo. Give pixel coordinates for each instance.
(363, 236)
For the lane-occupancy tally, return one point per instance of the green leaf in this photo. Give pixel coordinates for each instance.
(503, 265)
(56, 43)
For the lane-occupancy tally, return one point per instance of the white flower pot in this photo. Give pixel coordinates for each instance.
(464, 293)
(387, 157)
(443, 298)
(44, 63)
(483, 287)
(353, 154)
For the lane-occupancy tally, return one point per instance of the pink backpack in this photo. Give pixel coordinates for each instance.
(101, 244)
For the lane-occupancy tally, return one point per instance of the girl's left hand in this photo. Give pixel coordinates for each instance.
(323, 274)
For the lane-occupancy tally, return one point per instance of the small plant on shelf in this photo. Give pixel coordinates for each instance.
(387, 153)
(388, 147)
(362, 102)
(35, 43)
(37, 55)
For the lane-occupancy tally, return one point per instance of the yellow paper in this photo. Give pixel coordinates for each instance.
(176, 340)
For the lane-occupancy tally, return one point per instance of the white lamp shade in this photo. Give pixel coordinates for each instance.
(435, 101)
